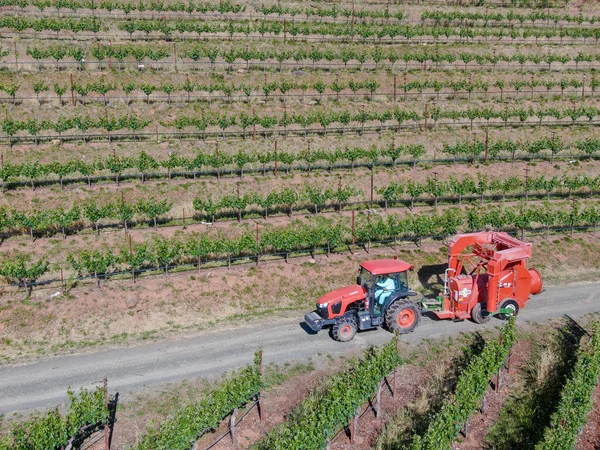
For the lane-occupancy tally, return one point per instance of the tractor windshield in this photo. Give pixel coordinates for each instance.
(403, 281)
(365, 279)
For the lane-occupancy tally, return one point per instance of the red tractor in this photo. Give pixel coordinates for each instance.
(498, 283)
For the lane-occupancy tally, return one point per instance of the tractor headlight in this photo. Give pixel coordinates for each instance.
(324, 305)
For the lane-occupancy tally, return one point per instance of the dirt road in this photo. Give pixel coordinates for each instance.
(44, 383)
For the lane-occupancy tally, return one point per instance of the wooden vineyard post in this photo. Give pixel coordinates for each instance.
(508, 361)
(232, 426)
(175, 56)
(258, 403)
(532, 76)
(106, 425)
(372, 187)
(395, 368)
(498, 380)
(131, 254)
(257, 244)
(72, 94)
(526, 169)
(394, 88)
(353, 231)
(483, 406)
(426, 114)
(378, 400)
(487, 145)
(62, 279)
(16, 57)
(183, 219)
(276, 165)
(354, 426)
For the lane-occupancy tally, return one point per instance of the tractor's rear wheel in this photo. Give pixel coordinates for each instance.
(345, 329)
(479, 314)
(512, 306)
(402, 316)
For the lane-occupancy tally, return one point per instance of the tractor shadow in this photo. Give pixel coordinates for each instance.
(431, 279)
(306, 328)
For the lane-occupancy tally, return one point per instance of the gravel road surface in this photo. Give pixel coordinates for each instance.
(44, 383)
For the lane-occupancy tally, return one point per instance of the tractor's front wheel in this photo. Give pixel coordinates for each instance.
(402, 316)
(345, 329)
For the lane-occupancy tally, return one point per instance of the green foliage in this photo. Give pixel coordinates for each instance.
(324, 412)
(576, 398)
(471, 386)
(52, 431)
(18, 268)
(184, 428)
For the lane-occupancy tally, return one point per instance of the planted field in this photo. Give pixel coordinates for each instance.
(154, 155)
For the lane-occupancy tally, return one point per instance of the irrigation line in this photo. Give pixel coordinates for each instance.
(360, 130)
(271, 257)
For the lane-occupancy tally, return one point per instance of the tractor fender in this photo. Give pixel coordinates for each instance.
(392, 298)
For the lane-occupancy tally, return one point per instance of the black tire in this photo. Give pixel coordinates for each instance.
(479, 314)
(402, 316)
(508, 304)
(345, 329)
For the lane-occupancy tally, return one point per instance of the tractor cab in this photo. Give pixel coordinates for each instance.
(383, 281)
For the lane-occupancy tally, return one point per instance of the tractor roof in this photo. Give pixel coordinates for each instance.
(385, 266)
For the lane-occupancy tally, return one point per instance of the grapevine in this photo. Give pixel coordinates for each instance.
(320, 415)
(52, 431)
(471, 387)
(576, 398)
(187, 425)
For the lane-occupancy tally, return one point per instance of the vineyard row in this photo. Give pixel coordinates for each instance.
(471, 388)
(576, 397)
(183, 429)
(311, 57)
(310, 198)
(316, 421)
(289, 89)
(223, 7)
(349, 15)
(182, 29)
(195, 249)
(87, 412)
(219, 161)
(244, 121)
